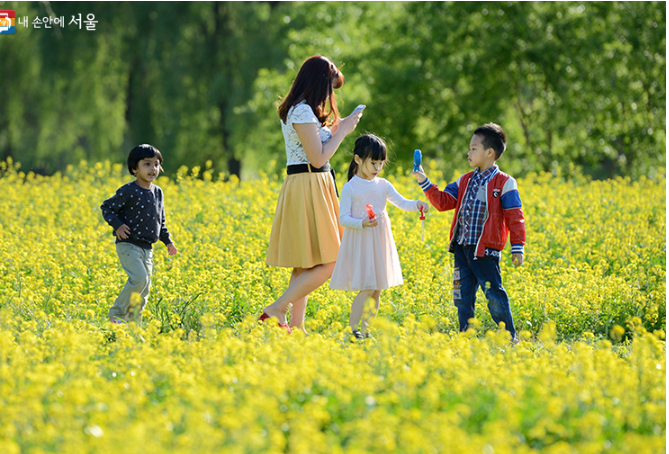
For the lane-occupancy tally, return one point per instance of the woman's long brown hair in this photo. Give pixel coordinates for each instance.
(315, 84)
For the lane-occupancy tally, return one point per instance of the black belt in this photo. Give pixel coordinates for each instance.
(304, 168)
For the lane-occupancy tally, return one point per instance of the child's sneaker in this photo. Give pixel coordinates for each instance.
(117, 321)
(357, 334)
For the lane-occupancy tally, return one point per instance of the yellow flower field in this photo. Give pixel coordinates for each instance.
(201, 375)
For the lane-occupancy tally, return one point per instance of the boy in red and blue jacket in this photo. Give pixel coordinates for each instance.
(487, 207)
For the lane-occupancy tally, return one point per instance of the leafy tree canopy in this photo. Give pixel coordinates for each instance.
(570, 82)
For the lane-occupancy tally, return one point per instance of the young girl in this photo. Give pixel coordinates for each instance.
(368, 259)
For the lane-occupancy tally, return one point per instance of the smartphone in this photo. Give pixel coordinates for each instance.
(360, 108)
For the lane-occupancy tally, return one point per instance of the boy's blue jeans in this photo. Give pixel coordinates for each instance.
(471, 272)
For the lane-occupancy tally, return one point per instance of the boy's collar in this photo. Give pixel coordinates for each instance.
(478, 170)
(137, 183)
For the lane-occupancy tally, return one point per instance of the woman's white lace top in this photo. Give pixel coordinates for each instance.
(300, 113)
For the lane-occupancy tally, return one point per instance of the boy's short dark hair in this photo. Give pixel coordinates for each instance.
(140, 152)
(493, 137)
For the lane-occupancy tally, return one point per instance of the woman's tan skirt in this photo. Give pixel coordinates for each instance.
(306, 230)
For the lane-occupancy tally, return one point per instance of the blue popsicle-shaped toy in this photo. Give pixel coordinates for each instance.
(417, 159)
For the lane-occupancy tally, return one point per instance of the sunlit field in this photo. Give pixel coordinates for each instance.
(200, 375)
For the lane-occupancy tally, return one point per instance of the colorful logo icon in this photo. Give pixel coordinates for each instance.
(7, 19)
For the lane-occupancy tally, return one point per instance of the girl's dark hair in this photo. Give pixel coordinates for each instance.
(315, 84)
(367, 146)
(140, 152)
(493, 136)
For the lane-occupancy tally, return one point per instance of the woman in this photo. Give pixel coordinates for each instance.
(306, 233)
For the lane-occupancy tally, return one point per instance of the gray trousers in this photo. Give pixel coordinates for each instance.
(138, 264)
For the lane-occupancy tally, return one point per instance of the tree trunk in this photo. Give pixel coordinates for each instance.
(222, 28)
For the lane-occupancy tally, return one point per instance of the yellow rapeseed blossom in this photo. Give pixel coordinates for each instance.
(199, 374)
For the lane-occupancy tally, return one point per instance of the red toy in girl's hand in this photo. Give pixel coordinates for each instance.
(370, 211)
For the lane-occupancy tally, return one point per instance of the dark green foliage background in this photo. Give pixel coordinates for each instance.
(571, 82)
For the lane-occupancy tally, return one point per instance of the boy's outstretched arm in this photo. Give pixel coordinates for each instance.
(441, 200)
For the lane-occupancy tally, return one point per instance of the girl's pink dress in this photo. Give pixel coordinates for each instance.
(368, 257)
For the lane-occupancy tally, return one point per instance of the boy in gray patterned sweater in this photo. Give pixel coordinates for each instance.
(137, 215)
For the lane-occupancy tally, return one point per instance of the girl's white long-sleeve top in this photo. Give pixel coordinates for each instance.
(358, 192)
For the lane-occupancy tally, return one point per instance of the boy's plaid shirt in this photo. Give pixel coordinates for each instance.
(472, 214)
